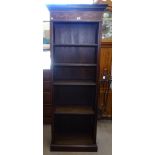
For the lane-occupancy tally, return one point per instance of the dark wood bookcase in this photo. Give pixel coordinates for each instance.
(75, 43)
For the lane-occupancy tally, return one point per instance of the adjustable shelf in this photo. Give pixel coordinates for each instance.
(74, 83)
(75, 45)
(74, 21)
(74, 64)
(74, 110)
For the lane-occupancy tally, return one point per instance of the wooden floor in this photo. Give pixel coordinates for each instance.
(104, 140)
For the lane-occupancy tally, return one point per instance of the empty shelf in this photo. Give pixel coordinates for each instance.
(74, 64)
(76, 45)
(74, 83)
(73, 139)
(74, 109)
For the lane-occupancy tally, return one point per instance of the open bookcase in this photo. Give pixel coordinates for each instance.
(75, 52)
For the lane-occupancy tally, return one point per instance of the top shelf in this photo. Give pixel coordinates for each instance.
(75, 45)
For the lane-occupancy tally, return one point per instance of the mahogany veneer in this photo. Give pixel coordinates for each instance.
(75, 46)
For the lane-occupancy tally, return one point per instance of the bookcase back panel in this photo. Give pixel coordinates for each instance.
(78, 124)
(75, 55)
(74, 95)
(75, 73)
(75, 33)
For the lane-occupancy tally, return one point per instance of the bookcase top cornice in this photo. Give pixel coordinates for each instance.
(83, 7)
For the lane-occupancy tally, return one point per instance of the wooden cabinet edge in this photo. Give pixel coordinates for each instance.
(106, 44)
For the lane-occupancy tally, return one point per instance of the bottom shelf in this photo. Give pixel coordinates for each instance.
(79, 142)
(73, 139)
(74, 148)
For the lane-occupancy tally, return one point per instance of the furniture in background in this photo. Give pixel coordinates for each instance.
(106, 83)
(75, 46)
(105, 97)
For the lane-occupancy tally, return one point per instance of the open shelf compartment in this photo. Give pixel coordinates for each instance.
(74, 73)
(80, 54)
(78, 95)
(75, 130)
(75, 33)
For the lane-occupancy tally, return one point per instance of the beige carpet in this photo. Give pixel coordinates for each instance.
(104, 140)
